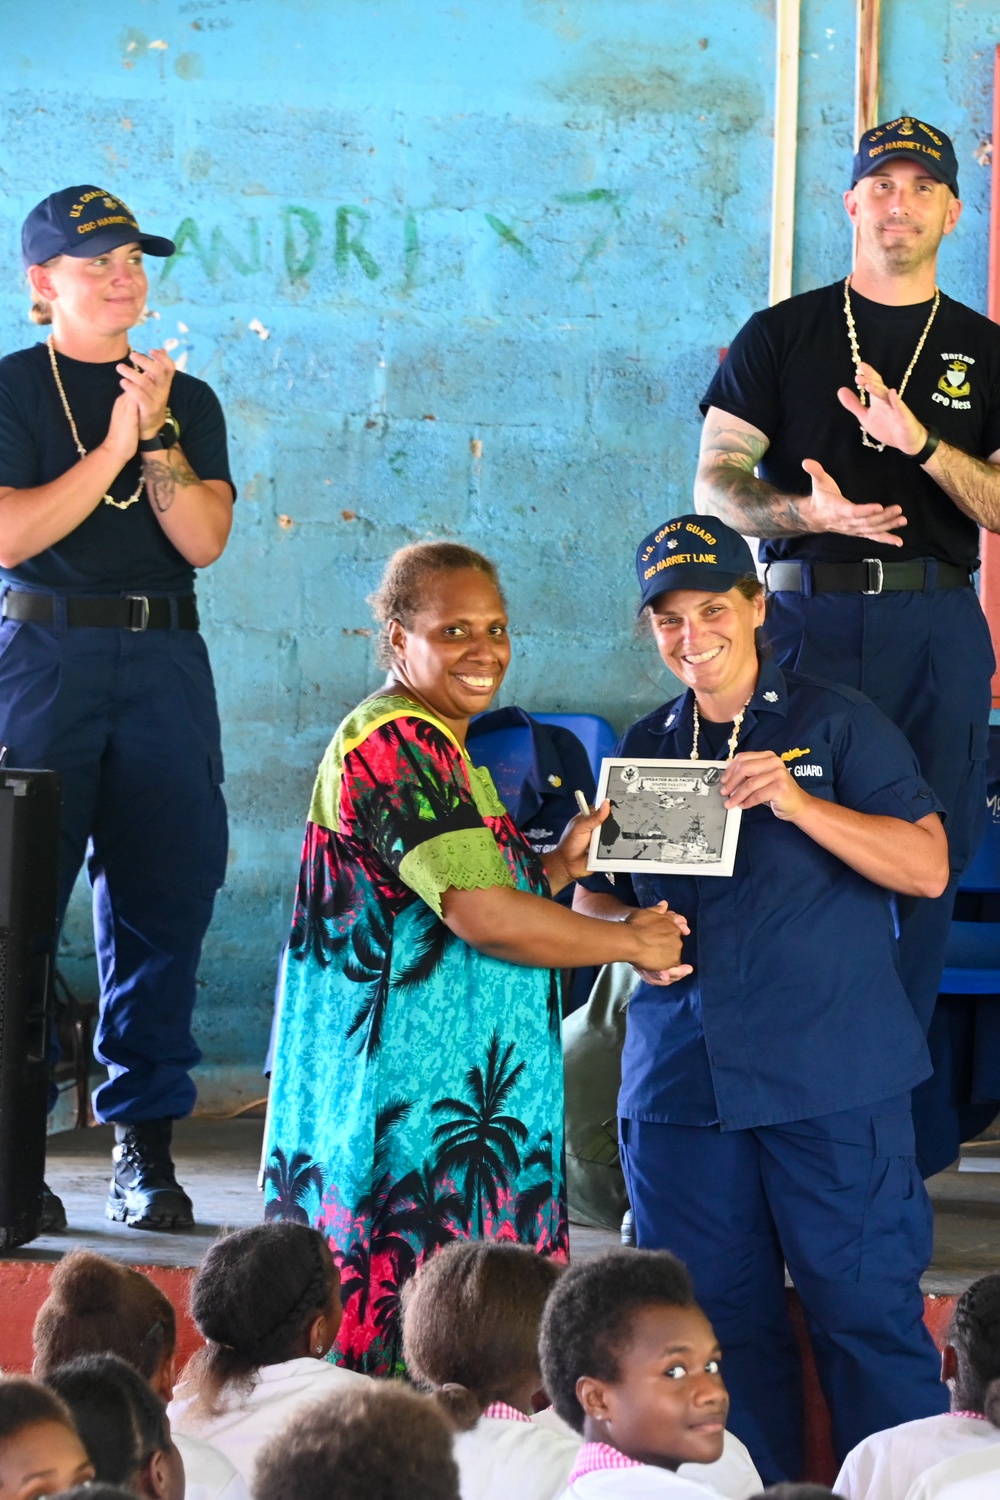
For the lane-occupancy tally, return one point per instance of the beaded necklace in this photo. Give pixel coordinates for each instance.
(108, 499)
(852, 334)
(737, 726)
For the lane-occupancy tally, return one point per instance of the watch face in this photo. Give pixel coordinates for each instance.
(170, 432)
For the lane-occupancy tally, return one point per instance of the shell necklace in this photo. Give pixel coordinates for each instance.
(108, 499)
(737, 726)
(852, 334)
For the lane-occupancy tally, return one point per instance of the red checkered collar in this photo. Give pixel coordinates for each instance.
(505, 1413)
(594, 1456)
(980, 1416)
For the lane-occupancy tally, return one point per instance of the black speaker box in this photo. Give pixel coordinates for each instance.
(29, 858)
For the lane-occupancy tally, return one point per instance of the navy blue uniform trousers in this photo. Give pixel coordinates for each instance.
(839, 1200)
(129, 721)
(926, 660)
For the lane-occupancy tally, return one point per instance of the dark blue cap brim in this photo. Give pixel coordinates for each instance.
(97, 244)
(706, 580)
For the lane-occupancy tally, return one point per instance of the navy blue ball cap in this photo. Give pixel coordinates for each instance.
(692, 552)
(84, 221)
(908, 139)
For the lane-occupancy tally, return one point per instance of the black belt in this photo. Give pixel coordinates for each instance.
(134, 612)
(870, 576)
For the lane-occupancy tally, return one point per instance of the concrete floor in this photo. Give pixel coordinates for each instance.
(217, 1161)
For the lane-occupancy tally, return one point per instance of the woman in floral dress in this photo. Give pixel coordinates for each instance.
(416, 1092)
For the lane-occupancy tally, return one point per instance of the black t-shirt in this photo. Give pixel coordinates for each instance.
(113, 551)
(782, 374)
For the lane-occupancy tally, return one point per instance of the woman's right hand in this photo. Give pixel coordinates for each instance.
(658, 933)
(123, 432)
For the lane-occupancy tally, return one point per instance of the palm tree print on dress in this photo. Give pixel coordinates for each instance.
(479, 1138)
(292, 1181)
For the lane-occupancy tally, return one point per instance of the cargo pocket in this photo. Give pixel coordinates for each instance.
(896, 1239)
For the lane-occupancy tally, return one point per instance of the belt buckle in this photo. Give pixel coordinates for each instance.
(142, 622)
(874, 568)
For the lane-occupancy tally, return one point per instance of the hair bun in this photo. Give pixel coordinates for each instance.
(459, 1404)
(85, 1283)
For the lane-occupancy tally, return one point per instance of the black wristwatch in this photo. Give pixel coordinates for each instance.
(167, 437)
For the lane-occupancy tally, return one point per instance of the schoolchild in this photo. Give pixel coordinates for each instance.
(96, 1306)
(376, 1441)
(631, 1362)
(40, 1448)
(471, 1318)
(123, 1426)
(267, 1302)
(973, 1475)
(887, 1463)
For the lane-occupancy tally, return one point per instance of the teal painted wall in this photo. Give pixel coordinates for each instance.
(454, 270)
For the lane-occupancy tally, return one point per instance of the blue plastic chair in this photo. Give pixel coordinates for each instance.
(972, 958)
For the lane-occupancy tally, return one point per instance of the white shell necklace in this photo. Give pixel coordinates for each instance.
(737, 726)
(108, 499)
(852, 334)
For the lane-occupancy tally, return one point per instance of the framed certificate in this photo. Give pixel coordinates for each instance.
(667, 818)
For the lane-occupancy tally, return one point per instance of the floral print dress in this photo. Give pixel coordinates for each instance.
(416, 1091)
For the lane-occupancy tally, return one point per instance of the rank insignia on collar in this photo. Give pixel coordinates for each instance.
(770, 696)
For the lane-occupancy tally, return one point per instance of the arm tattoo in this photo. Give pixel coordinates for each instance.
(972, 483)
(727, 487)
(164, 474)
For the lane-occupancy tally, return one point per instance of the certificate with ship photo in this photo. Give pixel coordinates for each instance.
(667, 818)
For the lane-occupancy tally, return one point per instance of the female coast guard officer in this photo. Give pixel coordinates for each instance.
(114, 487)
(765, 1099)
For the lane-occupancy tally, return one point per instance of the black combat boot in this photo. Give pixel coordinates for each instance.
(52, 1219)
(144, 1192)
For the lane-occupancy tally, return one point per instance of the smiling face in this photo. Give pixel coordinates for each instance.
(707, 640)
(669, 1404)
(103, 294)
(901, 213)
(42, 1459)
(455, 652)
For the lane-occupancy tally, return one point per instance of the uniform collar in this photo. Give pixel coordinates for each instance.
(770, 696)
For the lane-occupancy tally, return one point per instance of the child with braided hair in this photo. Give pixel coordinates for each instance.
(96, 1306)
(267, 1302)
(888, 1463)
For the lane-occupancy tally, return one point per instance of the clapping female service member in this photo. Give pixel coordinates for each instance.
(765, 1100)
(416, 1094)
(114, 488)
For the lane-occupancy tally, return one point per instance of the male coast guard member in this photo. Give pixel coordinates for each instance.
(114, 487)
(856, 430)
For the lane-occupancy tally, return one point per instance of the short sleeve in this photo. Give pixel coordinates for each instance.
(407, 792)
(203, 432)
(747, 384)
(18, 458)
(876, 770)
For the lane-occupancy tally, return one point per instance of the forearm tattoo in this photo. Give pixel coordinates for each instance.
(163, 473)
(972, 483)
(727, 486)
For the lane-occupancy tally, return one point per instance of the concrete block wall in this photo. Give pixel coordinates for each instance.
(454, 269)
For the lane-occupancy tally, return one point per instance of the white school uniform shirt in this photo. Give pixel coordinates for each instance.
(602, 1473)
(971, 1476)
(208, 1473)
(507, 1454)
(733, 1475)
(243, 1427)
(885, 1465)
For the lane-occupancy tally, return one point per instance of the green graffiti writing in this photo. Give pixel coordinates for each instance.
(303, 233)
(349, 244)
(508, 236)
(188, 242)
(411, 250)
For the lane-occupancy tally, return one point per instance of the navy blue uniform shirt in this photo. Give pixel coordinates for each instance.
(795, 1007)
(111, 550)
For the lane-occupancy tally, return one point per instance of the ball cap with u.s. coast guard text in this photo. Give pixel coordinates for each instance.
(692, 552)
(907, 139)
(84, 221)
